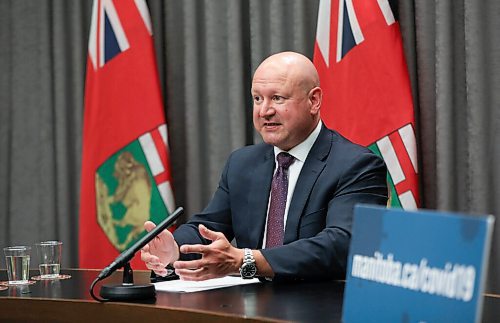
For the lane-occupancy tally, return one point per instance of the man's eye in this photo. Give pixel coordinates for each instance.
(257, 99)
(278, 98)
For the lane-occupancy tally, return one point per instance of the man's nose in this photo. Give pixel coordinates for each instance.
(266, 109)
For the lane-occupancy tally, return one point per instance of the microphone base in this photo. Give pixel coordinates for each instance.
(125, 292)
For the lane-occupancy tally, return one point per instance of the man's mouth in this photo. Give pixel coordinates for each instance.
(271, 124)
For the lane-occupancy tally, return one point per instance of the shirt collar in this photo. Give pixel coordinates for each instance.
(301, 151)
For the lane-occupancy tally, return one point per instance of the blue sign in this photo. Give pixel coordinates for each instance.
(416, 266)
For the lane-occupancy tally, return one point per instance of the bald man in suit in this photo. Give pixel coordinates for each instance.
(328, 175)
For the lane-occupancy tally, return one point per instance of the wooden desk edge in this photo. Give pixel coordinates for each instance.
(16, 309)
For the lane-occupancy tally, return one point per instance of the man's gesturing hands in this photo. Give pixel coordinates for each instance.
(218, 259)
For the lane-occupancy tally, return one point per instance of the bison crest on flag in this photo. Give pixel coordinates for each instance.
(129, 184)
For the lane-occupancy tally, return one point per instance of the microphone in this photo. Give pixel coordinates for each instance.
(128, 254)
(127, 290)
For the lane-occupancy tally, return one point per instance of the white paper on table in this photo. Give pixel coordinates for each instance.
(183, 286)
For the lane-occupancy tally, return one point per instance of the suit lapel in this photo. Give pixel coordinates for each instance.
(312, 168)
(258, 198)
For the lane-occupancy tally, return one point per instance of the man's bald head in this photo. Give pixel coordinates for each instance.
(294, 66)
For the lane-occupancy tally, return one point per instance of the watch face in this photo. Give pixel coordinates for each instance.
(248, 270)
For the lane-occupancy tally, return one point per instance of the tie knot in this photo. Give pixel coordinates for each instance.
(285, 160)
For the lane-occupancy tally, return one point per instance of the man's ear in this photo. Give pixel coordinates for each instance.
(315, 97)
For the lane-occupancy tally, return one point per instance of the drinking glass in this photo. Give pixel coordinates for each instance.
(49, 256)
(18, 264)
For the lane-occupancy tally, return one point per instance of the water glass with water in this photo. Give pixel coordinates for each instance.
(18, 264)
(49, 256)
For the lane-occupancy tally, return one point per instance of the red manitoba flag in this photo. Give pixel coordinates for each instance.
(360, 59)
(125, 165)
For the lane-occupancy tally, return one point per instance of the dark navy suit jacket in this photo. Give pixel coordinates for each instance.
(336, 175)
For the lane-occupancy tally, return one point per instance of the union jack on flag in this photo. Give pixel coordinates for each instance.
(111, 39)
(367, 98)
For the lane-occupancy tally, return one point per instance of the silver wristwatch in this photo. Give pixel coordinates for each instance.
(248, 269)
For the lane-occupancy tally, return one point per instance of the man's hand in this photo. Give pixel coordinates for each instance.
(218, 259)
(160, 251)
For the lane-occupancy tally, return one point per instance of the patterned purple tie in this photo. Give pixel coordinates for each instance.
(279, 190)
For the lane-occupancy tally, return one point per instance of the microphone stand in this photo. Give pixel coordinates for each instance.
(127, 290)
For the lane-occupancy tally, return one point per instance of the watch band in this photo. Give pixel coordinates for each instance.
(248, 256)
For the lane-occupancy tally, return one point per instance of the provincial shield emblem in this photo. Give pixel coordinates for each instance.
(133, 186)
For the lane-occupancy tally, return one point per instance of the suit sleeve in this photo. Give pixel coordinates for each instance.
(324, 256)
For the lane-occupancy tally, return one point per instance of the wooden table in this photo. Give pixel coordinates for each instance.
(70, 301)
